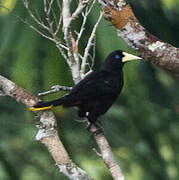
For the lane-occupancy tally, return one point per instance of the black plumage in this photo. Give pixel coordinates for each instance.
(95, 94)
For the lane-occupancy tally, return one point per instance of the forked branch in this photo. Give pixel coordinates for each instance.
(47, 131)
(148, 46)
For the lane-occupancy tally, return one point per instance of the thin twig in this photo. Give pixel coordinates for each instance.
(85, 15)
(99, 154)
(42, 34)
(35, 29)
(81, 29)
(93, 54)
(58, 25)
(59, 5)
(90, 44)
(81, 6)
(38, 15)
(50, 6)
(63, 53)
(26, 4)
(55, 89)
(60, 18)
(91, 7)
(45, 5)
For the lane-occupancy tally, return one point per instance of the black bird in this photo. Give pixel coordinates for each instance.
(94, 94)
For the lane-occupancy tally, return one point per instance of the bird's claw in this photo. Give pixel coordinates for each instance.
(97, 125)
(97, 132)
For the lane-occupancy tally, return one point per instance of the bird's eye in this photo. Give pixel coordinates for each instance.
(117, 56)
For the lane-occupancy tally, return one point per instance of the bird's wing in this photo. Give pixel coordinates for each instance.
(84, 82)
(94, 85)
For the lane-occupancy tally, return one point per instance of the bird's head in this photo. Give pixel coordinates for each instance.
(115, 60)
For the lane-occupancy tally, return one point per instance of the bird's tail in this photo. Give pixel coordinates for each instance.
(47, 105)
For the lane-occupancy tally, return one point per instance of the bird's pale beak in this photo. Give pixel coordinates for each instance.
(129, 57)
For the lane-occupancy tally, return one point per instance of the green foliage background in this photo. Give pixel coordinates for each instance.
(142, 126)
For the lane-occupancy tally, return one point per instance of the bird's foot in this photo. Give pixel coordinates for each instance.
(95, 128)
(98, 132)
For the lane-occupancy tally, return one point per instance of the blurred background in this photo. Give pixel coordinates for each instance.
(142, 126)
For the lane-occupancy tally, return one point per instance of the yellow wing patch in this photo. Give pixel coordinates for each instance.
(40, 109)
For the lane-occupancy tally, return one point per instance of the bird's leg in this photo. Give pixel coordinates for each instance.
(94, 122)
(81, 113)
(98, 125)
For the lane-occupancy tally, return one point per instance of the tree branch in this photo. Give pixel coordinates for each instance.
(107, 155)
(149, 47)
(47, 132)
(89, 45)
(71, 54)
(81, 6)
(55, 89)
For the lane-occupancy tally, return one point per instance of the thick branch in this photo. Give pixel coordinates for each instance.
(47, 133)
(107, 155)
(149, 47)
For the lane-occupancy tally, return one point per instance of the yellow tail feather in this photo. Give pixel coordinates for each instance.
(41, 108)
